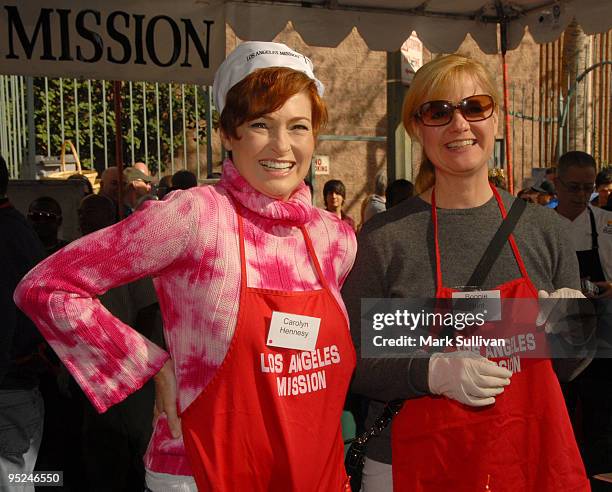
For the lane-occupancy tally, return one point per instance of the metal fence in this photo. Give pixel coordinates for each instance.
(13, 125)
(164, 125)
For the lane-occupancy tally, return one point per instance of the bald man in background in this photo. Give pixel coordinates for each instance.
(141, 166)
(109, 183)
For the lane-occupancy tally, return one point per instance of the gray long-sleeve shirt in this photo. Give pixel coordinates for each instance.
(395, 258)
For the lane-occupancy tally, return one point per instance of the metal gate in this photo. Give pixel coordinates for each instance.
(164, 125)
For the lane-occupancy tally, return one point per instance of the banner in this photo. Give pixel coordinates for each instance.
(158, 41)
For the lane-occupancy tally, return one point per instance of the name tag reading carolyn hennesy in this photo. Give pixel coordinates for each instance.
(293, 331)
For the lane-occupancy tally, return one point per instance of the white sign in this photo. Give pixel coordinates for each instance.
(321, 164)
(412, 58)
(113, 40)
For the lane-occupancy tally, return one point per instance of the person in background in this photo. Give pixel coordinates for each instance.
(137, 187)
(45, 217)
(224, 258)
(603, 187)
(95, 213)
(109, 187)
(398, 191)
(589, 396)
(470, 421)
(528, 195)
(546, 194)
(334, 195)
(550, 174)
(142, 167)
(62, 397)
(87, 187)
(164, 187)
(117, 439)
(183, 180)
(21, 405)
(589, 229)
(376, 202)
(110, 182)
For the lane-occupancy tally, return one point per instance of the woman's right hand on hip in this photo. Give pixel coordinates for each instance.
(166, 398)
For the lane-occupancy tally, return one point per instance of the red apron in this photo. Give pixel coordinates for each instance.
(269, 420)
(522, 443)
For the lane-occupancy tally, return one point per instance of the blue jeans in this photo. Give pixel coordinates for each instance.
(21, 426)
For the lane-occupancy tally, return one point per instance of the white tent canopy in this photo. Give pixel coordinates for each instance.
(441, 24)
(184, 40)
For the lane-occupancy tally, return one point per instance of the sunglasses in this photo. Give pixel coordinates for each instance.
(42, 216)
(440, 113)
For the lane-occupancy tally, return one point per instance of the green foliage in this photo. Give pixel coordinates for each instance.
(72, 96)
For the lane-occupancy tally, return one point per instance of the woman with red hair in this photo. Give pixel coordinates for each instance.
(248, 275)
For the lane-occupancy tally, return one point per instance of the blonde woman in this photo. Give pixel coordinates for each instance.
(467, 423)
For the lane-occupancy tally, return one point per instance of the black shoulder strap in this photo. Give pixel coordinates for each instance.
(594, 235)
(497, 243)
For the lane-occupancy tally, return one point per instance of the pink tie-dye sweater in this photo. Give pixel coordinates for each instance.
(189, 244)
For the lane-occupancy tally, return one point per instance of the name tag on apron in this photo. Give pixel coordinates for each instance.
(487, 302)
(293, 331)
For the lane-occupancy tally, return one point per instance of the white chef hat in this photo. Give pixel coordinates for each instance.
(253, 55)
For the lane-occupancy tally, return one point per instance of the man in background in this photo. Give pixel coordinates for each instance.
(45, 217)
(109, 183)
(137, 186)
(142, 167)
(398, 191)
(590, 230)
(21, 405)
(115, 441)
(603, 187)
(183, 180)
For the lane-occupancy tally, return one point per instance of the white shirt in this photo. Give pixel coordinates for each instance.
(580, 234)
(376, 205)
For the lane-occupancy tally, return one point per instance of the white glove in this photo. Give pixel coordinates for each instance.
(467, 377)
(553, 311)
